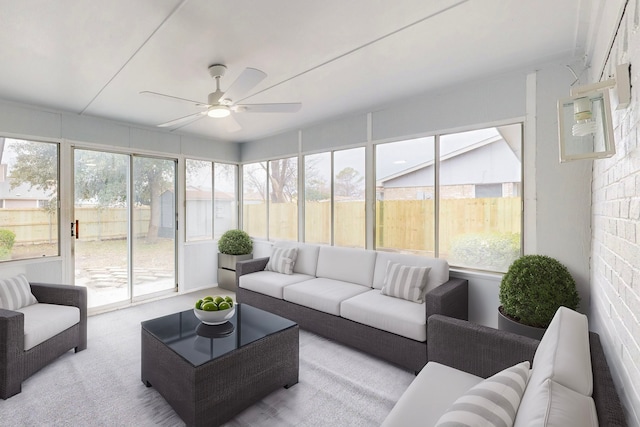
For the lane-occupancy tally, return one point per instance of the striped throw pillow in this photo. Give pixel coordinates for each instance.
(15, 293)
(406, 282)
(493, 402)
(282, 260)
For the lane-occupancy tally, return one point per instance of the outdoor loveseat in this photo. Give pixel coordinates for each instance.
(38, 323)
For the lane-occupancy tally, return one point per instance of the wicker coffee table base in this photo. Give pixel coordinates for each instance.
(215, 392)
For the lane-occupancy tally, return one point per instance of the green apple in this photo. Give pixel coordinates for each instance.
(210, 306)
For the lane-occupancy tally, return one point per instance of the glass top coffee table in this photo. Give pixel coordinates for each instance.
(210, 373)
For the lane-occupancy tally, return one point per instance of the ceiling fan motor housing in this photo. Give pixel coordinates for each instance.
(217, 70)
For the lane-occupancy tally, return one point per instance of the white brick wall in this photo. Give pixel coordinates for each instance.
(615, 249)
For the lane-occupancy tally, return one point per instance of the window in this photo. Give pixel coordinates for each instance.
(199, 200)
(479, 207)
(349, 219)
(225, 199)
(405, 173)
(488, 190)
(254, 199)
(480, 213)
(29, 199)
(317, 194)
(283, 199)
(211, 202)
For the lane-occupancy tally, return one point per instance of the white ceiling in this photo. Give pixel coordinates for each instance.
(94, 57)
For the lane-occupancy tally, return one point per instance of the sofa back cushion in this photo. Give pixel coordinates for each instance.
(553, 405)
(438, 274)
(564, 355)
(346, 264)
(15, 293)
(307, 257)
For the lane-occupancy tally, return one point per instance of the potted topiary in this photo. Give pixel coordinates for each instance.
(531, 292)
(233, 246)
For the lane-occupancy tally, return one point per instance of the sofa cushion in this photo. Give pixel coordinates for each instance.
(322, 294)
(346, 264)
(394, 315)
(491, 403)
(564, 355)
(307, 259)
(554, 405)
(438, 275)
(15, 293)
(269, 282)
(282, 260)
(43, 321)
(433, 390)
(406, 282)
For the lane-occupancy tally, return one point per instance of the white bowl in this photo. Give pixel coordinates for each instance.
(214, 317)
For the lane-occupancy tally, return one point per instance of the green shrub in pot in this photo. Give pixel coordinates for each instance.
(533, 289)
(235, 242)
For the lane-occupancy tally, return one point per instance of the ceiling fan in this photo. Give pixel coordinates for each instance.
(222, 104)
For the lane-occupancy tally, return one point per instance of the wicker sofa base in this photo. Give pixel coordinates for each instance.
(404, 352)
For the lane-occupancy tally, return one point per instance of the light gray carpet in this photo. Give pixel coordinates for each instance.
(101, 386)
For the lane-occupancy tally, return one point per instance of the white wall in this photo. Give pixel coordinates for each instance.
(615, 263)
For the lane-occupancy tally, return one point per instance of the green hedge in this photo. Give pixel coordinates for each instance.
(492, 251)
(7, 239)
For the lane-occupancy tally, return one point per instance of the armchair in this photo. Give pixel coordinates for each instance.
(18, 363)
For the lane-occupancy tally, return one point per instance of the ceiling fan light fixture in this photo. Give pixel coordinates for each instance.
(218, 111)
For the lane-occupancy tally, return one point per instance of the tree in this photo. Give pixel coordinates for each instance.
(100, 178)
(349, 183)
(283, 179)
(316, 186)
(152, 177)
(36, 164)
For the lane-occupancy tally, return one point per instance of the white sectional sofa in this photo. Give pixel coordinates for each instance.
(480, 376)
(338, 293)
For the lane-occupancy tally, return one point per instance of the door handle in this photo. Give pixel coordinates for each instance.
(77, 229)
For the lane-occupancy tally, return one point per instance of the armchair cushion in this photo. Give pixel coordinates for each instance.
(44, 321)
(15, 293)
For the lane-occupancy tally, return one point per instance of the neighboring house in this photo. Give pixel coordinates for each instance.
(200, 210)
(467, 170)
(22, 196)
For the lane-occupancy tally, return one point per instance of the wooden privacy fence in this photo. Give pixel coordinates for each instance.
(401, 224)
(33, 225)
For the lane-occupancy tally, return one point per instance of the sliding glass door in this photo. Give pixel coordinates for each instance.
(154, 225)
(124, 229)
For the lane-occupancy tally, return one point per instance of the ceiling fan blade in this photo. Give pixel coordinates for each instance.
(246, 81)
(173, 98)
(290, 107)
(231, 124)
(183, 120)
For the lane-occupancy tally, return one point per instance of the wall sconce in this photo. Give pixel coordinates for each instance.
(584, 119)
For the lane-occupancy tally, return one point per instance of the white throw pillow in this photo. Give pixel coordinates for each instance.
(282, 260)
(15, 293)
(493, 402)
(405, 281)
(554, 405)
